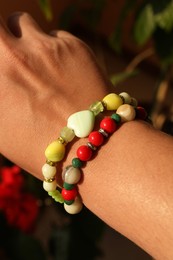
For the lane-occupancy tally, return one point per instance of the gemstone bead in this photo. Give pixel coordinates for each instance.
(77, 163)
(48, 171)
(126, 97)
(97, 107)
(112, 101)
(96, 138)
(71, 175)
(108, 124)
(67, 134)
(75, 207)
(56, 195)
(55, 151)
(49, 186)
(68, 202)
(116, 117)
(141, 113)
(134, 102)
(126, 112)
(68, 186)
(69, 194)
(82, 123)
(84, 153)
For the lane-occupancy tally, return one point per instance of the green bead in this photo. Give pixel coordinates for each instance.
(97, 107)
(67, 134)
(116, 117)
(56, 195)
(68, 186)
(68, 202)
(77, 163)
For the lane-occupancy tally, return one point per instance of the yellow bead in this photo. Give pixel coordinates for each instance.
(55, 151)
(112, 101)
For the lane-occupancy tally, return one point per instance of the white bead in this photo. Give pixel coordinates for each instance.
(134, 102)
(82, 123)
(50, 186)
(71, 175)
(126, 97)
(126, 112)
(74, 208)
(48, 171)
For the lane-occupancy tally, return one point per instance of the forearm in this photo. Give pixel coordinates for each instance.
(130, 186)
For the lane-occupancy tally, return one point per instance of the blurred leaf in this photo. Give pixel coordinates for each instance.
(45, 6)
(116, 36)
(67, 16)
(164, 46)
(164, 19)
(118, 78)
(144, 25)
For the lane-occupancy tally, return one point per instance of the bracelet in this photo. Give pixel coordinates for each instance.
(81, 125)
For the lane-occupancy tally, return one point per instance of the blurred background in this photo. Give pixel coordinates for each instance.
(133, 42)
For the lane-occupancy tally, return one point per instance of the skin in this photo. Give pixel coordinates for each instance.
(44, 79)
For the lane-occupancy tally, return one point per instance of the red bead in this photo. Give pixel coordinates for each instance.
(141, 113)
(96, 138)
(69, 194)
(108, 124)
(84, 153)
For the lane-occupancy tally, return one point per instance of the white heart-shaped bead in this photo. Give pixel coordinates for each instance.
(82, 123)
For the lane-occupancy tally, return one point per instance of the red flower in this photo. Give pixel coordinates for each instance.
(19, 207)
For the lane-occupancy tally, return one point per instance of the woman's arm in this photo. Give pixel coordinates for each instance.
(46, 78)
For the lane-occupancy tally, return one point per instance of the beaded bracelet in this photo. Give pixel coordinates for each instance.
(79, 124)
(72, 174)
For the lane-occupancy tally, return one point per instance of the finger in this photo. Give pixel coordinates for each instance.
(62, 34)
(22, 24)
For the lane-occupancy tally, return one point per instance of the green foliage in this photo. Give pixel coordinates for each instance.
(45, 6)
(144, 25)
(118, 78)
(164, 19)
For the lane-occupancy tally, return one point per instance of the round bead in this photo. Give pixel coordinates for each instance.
(134, 102)
(84, 153)
(75, 207)
(69, 194)
(112, 101)
(68, 186)
(71, 175)
(67, 134)
(116, 117)
(68, 202)
(49, 186)
(141, 113)
(77, 163)
(126, 112)
(48, 171)
(96, 138)
(108, 124)
(126, 97)
(55, 151)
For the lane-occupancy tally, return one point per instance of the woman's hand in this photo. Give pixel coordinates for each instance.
(44, 79)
